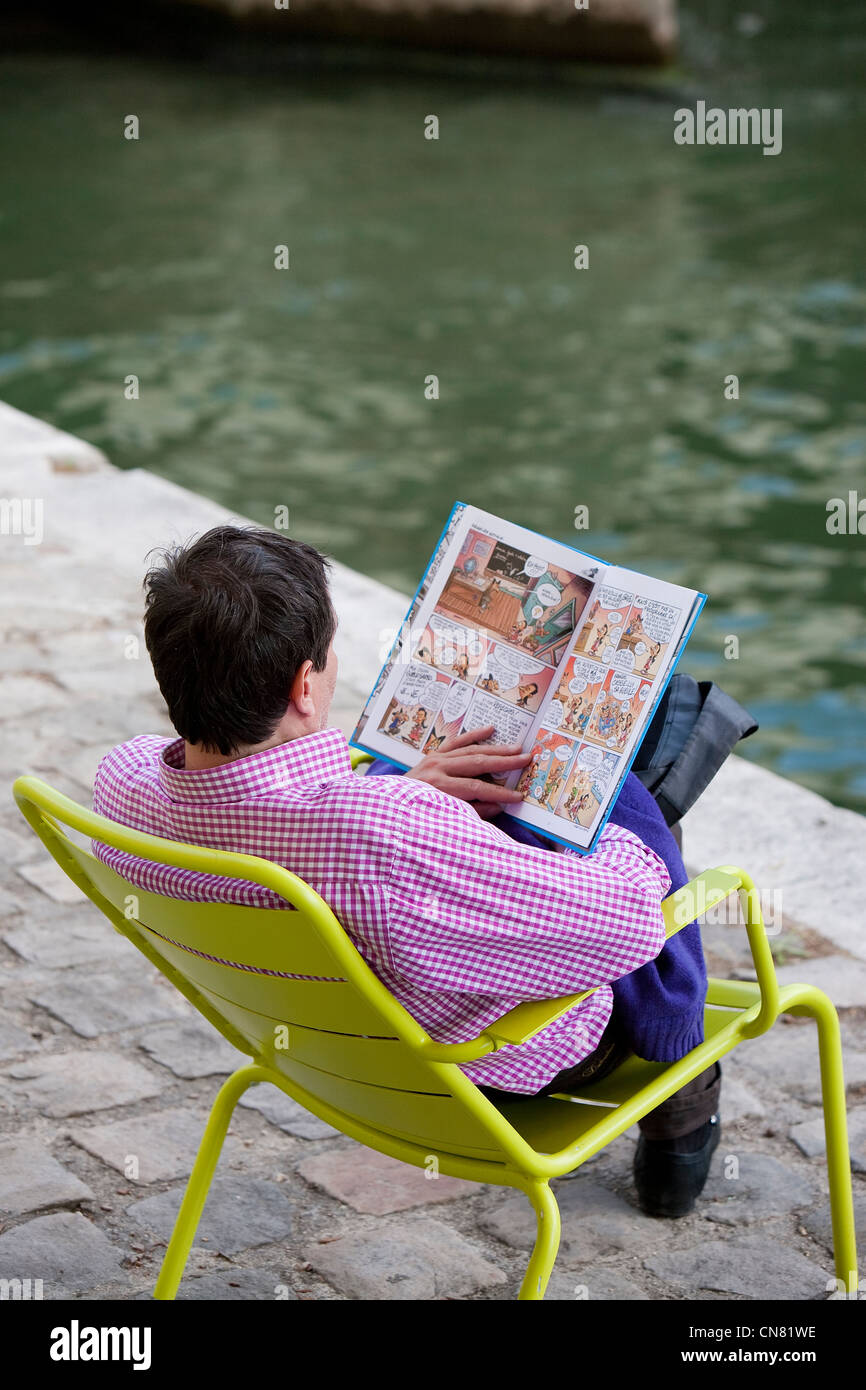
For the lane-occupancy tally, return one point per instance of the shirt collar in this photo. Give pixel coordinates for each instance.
(311, 760)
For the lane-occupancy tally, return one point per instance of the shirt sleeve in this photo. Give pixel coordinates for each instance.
(473, 910)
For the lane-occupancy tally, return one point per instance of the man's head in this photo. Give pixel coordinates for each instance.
(239, 626)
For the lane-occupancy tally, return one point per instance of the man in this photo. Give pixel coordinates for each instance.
(461, 920)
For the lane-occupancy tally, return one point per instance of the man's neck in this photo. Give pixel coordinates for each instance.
(196, 758)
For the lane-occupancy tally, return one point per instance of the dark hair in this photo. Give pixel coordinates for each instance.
(229, 620)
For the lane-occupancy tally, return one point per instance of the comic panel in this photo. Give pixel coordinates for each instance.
(510, 723)
(588, 781)
(617, 709)
(579, 687)
(646, 637)
(449, 720)
(512, 596)
(451, 648)
(416, 702)
(514, 676)
(543, 778)
(604, 624)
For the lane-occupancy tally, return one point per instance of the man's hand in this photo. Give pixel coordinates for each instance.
(462, 762)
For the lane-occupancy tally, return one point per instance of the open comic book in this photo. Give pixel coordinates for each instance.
(559, 651)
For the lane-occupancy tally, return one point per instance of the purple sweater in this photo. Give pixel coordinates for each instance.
(658, 1009)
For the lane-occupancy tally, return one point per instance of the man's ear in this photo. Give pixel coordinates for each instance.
(301, 693)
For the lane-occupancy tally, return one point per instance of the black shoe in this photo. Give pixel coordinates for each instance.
(669, 1182)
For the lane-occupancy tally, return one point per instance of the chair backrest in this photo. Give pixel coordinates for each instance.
(286, 987)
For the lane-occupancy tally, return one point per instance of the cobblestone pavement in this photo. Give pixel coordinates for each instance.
(106, 1072)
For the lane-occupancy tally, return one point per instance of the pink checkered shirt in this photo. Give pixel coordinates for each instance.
(459, 921)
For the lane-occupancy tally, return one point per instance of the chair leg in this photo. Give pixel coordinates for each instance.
(199, 1182)
(546, 1242)
(823, 1011)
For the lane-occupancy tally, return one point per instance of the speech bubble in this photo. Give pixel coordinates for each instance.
(448, 656)
(548, 594)
(415, 685)
(509, 724)
(659, 620)
(520, 662)
(456, 703)
(551, 719)
(534, 566)
(474, 645)
(607, 653)
(614, 598)
(625, 706)
(614, 618)
(577, 687)
(640, 648)
(623, 660)
(623, 687)
(589, 671)
(538, 611)
(589, 758)
(562, 752)
(450, 631)
(644, 692)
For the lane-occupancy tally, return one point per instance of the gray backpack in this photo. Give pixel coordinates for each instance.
(690, 735)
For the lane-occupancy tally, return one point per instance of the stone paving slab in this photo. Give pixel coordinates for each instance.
(787, 1057)
(595, 1283)
(595, 1221)
(232, 1286)
(752, 1266)
(14, 848)
(47, 875)
(30, 1178)
(150, 1148)
(72, 1083)
(810, 1139)
(286, 1113)
(372, 1182)
(743, 1188)
(192, 1049)
(65, 1250)
(738, 1101)
(817, 1223)
(238, 1215)
(92, 1004)
(841, 977)
(404, 1262)
(15, 1040)
(60, 939)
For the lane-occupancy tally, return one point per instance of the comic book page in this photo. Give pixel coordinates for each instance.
(605, 693)
(481, 644)
(555, 649)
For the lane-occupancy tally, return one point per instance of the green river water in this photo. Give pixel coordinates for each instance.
(558, 387)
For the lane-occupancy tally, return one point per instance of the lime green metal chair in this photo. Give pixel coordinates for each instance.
(295, 995)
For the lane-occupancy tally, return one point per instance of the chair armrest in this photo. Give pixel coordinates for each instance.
(517, 1026)
(701, 894)
(523, 1022)
(697, 897)
(692, 900)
